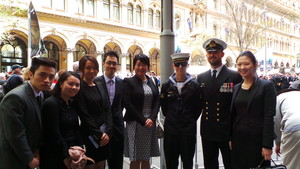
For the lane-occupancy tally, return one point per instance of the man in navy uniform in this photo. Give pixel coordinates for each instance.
(180, 97)
(216, 90)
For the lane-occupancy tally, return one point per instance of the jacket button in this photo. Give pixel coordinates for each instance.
(206, 102)
(206, 113)
(206, 118)
(218, 109)
(206, 108)
(218, 104)
(218, 120)
(218, 114)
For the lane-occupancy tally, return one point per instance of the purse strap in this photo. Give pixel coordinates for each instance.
(276, 165)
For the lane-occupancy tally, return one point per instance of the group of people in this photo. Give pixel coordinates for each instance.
(38, 127)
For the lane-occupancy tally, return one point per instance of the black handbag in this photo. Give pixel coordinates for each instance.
(275, 166)
(159, 129)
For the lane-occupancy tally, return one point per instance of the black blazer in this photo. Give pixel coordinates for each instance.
(93, 113)
(20, 128)
(117, 105)
(260, 112)
(215, 119)
(133, 98)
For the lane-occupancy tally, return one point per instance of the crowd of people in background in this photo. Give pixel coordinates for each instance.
(44, 113)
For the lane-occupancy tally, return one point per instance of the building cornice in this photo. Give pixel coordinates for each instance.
(108, 27)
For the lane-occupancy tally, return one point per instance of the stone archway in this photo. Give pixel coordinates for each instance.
(132, 51)
(154, 60)
(56, 47)
(84, 47)
(13, 50)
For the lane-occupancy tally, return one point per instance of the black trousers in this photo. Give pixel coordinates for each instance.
(175, 145)
(115, 161)
(211, 154)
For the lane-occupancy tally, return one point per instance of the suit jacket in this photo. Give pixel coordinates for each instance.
(215, 119)
(259, 114)
(133, 98)
(92, 112)
(117, 105)
(20, 128)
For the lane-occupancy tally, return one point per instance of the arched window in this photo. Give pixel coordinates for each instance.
(150, 18)
(106, 6)
(53, 51)
(157, 19)
(177, 22)
(80, 51)
(116, 10)
(138, 15)
(130, 13)
(12, 52)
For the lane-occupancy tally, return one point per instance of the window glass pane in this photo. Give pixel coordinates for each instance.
(157, 19)
(106, 4)
(130, 13)
(89, 7)
(47, 3)
(79, 4)
(59, 4)
(138, 15)
(150, 18)
(116, 7)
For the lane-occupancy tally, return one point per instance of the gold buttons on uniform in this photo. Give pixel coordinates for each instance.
(218, 120)
(206, 108)
(218, 114)
(206, 102)
(218, 109)
(206, 118)
(218, 104)
(206, 113)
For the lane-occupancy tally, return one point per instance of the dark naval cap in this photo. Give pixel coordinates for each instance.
(214, 44)
(180, 57)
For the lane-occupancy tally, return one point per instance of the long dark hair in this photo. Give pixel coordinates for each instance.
(62, 78)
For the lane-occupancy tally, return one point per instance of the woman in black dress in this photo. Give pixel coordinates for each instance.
(94, 112)
(252, 112)
(60, 123)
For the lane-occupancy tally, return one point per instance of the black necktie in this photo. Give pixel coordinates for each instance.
(214, 76)
(39, 100)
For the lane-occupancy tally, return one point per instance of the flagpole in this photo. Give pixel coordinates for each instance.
(29, 35)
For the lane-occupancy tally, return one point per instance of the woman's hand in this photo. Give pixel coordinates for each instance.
(230, 145)
(67, 162)
(277, 150)
(149, 123)
(104, 139)
(266, 153)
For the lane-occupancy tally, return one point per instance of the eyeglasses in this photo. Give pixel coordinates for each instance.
(183, 64)
(111, 63)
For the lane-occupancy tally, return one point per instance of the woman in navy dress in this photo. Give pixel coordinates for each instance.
(60, 123)
(94, 112)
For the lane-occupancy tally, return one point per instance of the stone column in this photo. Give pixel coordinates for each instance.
(70, 58)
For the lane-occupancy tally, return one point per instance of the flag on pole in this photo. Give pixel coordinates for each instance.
(35, 43)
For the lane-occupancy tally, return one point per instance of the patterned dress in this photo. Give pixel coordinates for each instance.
(141, 142)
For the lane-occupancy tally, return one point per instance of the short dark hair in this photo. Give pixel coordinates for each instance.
(36, 62)
(111, 53)
(142, 58)
(248, 54)
(62, 78)
(83, 61)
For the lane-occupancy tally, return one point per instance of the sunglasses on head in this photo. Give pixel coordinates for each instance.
(183, 64)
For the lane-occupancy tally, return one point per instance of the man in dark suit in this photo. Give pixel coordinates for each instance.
(216, 89)
(20, 118)
(114, 87)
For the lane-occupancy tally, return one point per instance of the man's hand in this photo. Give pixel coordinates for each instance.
(266, 153)
(35, 162)
(149, 123)
(104, 139)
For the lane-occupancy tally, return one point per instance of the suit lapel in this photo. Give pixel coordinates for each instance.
(33, 101)
(254, 91)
